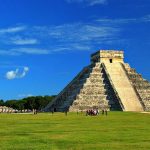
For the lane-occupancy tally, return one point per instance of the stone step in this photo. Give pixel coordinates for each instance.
(96, 75)
(97, 69)
(146, 98)
(99, 79)
(73, 96)
(78, 101)
(97, 97)
(90, 103)
(76, 85)
(93, 88)
(73, 90)
(94, 81)
(97, 64)
(92, 92)
(96, 85)
(86, 75)
(145, 92)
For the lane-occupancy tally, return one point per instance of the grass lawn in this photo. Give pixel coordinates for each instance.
(117, 131)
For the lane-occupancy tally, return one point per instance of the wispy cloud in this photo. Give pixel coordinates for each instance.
(77, 36)
(12, 29)
(124, 20)
(88, 2)
(13, 74)
(23, 41)
(22, 51)
(5, 52)
(146, 18)
(80, 32)
(107, 20)
(67, 37)
(35, 51)
(96, 2)
(8, 64)
(72, 47)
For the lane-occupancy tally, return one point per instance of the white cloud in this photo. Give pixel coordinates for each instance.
(88, 2)
(5, 52)
(81, 47)
(124, 20)
(80, 32)
(23, 50)
(23, 41)
(26, 69)
(72, 47)
(78, 36)
(12, 29)
(35, 51)
(146, 18)
(67, 37)
(95, 2)
(13, 74)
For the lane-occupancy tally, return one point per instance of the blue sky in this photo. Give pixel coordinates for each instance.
(45, 43)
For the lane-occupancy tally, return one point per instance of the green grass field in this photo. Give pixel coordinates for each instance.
(117, 131)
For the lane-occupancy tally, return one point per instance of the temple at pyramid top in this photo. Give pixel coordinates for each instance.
(109, 56)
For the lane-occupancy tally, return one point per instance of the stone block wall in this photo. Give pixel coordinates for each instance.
(141, 85)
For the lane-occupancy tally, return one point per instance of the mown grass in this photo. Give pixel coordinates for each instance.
(117, 131)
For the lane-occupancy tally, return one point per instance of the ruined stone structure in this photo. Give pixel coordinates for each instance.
(4, 109)
(107, 82)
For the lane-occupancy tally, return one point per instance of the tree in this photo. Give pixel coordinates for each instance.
(11, 103)
(32, 102)
(1, 102)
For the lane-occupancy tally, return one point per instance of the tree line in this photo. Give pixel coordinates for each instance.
(29, 103)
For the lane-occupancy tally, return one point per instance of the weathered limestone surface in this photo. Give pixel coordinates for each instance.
(4, 109)
(107, 82)
(93, 93)
(123, 86)
(141, 85)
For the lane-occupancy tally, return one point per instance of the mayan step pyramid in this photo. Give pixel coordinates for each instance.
(108, 82)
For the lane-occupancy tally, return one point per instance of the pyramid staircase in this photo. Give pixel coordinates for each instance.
(126, 92)
(89, 89)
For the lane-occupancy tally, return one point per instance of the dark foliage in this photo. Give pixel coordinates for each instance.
(33, 102)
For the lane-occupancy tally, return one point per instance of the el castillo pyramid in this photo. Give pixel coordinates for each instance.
(108, 82)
